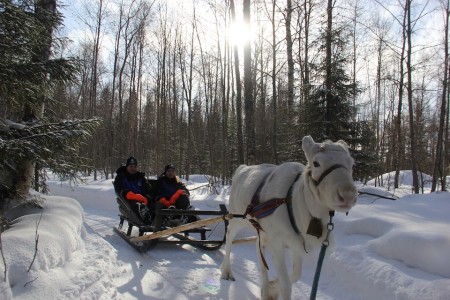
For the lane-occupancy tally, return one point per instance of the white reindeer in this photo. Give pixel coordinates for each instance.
(325, 185)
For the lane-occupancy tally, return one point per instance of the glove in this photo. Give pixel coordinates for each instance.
(165, 202)
(173, 199)
(175, 196)
(137, 197)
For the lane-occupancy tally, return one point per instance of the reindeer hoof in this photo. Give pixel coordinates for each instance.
(228, 277)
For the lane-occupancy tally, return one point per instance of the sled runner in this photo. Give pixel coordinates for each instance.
(172, 226)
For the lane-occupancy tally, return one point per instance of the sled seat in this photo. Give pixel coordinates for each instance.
(126, 213)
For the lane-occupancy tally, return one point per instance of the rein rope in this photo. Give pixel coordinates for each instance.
(323, 249)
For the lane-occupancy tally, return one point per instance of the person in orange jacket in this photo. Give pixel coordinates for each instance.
(132, 185)
(171, 192)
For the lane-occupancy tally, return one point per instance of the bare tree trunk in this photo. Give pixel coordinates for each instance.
(140, 88)
(328, 68)
(446, 156)
(157, 157)
(162, 99)
(355, 22)
(398, 141)
(290, 60)
(379, 140)
(438, 170)
(263, 128)
(129, 36)
(378, 89)
(163, 104)
(94, 79)
(132, 116)
(208, 86)
(410, 103)
(240, 138)
(225, 164)
(191, 68)
(307, 8)
(115, 151)
(274, 88)
(248, 92)
(179, 111)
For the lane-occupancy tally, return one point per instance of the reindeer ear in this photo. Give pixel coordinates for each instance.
(308, 146)
(307, 143)
(343, 144)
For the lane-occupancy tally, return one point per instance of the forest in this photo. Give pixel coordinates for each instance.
(208, 85)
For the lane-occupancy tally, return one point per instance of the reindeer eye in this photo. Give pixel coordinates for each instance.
(316, 164)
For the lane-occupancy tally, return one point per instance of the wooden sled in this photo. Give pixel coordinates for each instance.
(165, 229)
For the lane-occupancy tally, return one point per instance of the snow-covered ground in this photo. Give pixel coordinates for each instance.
(384, 249)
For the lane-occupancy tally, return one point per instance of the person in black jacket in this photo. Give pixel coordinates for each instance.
(171, 192)
(132, 185)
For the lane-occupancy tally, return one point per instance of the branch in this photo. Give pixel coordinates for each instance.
(191, 189)
(210, 185)
(3, 256)
(30, 281)
(36, 239)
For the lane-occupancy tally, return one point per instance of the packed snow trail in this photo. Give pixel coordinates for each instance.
(384, 250)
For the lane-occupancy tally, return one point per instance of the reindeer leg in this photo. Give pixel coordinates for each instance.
(297, 260)
(265, 284)
(282, 285)
(233, 228)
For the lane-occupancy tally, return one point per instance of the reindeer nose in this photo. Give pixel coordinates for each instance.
(348, 195)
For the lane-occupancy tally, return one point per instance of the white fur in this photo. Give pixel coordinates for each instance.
(335, 192)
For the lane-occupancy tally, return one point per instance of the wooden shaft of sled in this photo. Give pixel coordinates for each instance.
(250, 239)
(181, 228)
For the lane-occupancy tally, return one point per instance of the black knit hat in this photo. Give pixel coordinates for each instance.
(169, 166)
(131, 161)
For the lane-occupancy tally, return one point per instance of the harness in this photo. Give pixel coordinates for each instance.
(324, 174)
(260, 210)
(257, 210)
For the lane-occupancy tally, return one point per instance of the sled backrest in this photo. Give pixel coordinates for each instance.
(127, 213)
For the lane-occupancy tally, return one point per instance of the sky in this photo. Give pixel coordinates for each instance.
(385, 249)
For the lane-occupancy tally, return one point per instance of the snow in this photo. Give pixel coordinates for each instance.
(385, 249)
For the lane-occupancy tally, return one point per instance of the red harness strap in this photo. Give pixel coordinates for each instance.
(264, 209)
(260, 211)
(258, 229)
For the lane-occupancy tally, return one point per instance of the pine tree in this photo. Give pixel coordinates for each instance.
(29, 74)
(330, 107)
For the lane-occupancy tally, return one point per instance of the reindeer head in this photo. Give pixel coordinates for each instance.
(330, 169)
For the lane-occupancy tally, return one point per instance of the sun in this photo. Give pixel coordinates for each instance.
(239, 33)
